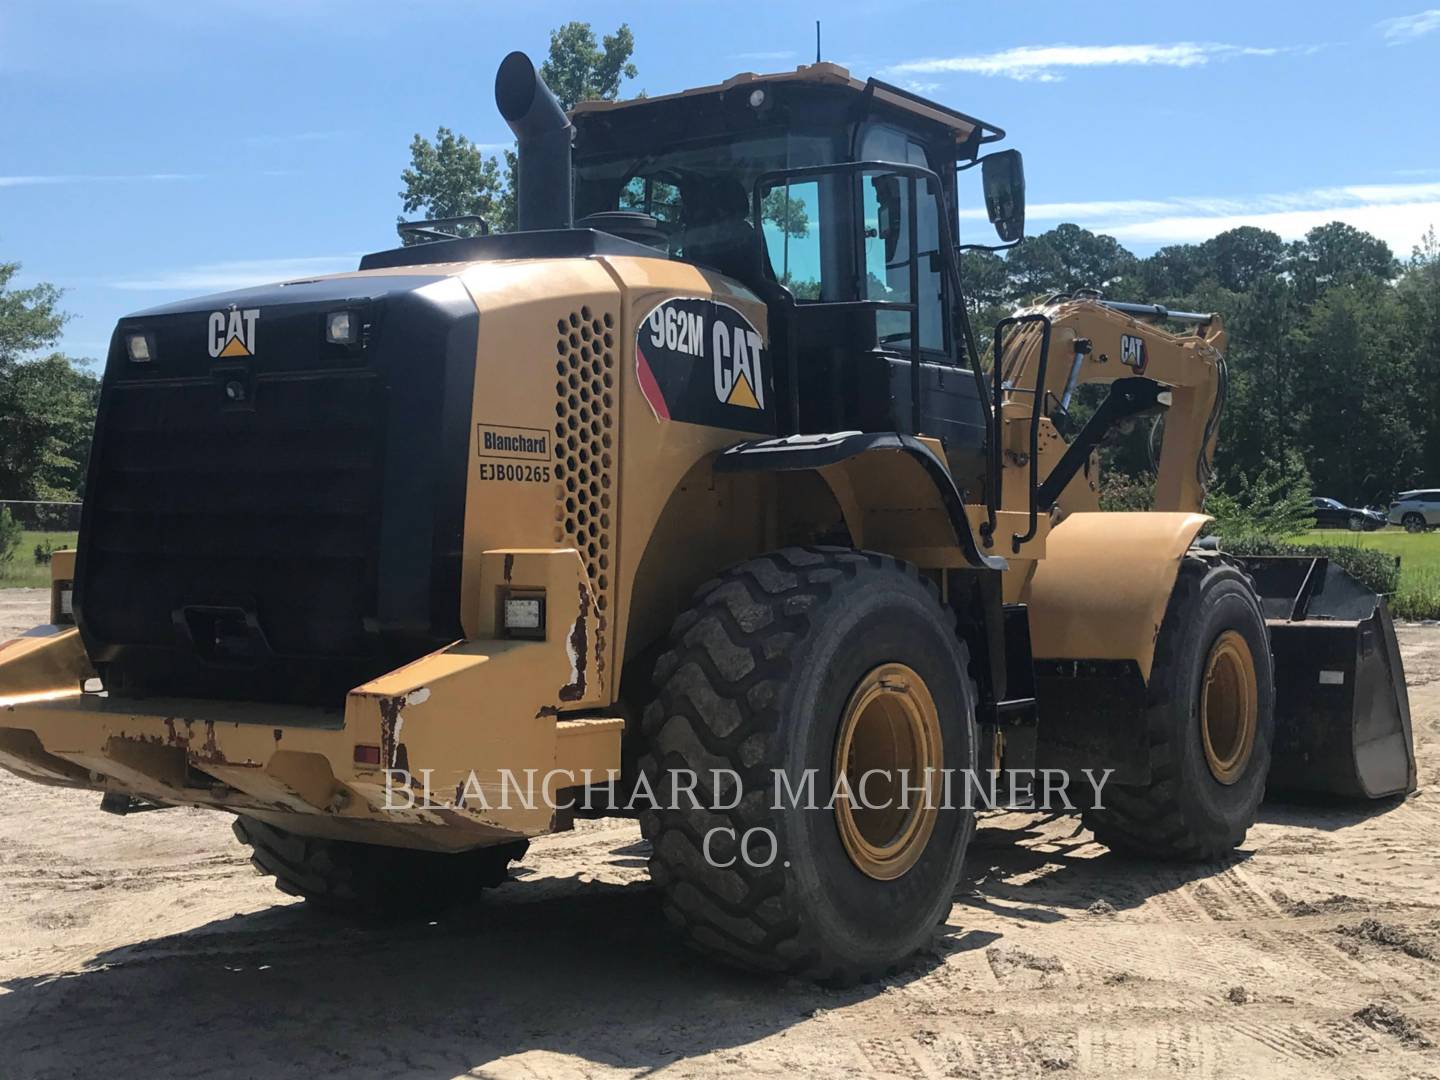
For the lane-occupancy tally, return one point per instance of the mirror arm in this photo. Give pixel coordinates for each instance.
(990, 247)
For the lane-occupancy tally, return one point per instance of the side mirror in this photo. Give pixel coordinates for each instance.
(1003, 175)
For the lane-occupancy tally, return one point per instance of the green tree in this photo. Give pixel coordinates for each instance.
(30, 319)
(1358, 363)
(577, 69)
(1419, 298)
(786, 214)
(1068, 258)
(453, 177)
(1238, 258)
(1170, 273)
(10, 535)
(47, 404)
(1337, 253)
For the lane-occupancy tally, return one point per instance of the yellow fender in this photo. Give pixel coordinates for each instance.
(1101, 591)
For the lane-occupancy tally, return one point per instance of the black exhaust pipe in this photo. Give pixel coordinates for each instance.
(543, 199)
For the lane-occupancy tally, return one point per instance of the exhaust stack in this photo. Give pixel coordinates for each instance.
(543, 199)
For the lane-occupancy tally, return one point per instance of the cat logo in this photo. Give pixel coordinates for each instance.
(738, 378)
(1132, 352)
(232, 333)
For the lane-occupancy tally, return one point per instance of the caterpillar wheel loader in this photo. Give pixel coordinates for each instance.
(695, 488)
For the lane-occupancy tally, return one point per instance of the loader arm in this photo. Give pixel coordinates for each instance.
(1098, 341)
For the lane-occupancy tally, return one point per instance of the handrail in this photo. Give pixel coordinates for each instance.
(997, 462)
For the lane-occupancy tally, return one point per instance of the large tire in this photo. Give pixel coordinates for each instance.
(1414, 523)
(370, 880)
(1204, 789)
(758, 676)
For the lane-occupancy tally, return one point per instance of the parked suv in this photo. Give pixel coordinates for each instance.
(1416, 510)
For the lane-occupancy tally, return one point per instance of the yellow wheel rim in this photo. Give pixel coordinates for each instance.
(1229, 707)
(889, 741)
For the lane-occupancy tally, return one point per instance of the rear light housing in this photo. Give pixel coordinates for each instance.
(62, 603)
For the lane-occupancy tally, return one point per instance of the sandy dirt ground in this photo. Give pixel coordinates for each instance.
(22, 609)
(146, 947)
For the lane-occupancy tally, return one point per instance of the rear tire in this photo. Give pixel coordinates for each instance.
(1414, 523)
(370, 880)
(1209, 750)
(1355, 523)
(770, 672)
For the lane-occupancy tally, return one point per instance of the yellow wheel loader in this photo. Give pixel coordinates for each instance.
(690, 499)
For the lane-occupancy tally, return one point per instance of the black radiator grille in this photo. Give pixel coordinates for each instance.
(270, 510)
(281, 520)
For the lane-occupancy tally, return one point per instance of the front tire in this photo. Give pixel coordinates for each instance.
(810, 662)
(1414, 523)
(1210, 716)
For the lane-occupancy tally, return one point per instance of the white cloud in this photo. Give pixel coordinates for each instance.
(31, 181)
(1396, 213)
(1044, 63)
(1409, 27)
(239, 274)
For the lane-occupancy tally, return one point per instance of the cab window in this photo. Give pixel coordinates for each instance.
(920, 242)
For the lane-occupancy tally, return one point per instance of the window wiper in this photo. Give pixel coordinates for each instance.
(445, 228)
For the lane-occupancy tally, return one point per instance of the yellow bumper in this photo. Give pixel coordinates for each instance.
(472, 747)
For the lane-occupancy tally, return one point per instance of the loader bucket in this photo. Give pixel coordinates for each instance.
(1342, 713)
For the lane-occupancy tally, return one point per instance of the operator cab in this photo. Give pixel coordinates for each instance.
(832, 200)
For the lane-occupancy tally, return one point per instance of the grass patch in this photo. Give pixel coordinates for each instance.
(23, 572)
(1418, 596)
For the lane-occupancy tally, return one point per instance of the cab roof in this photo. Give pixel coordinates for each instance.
(965, 128)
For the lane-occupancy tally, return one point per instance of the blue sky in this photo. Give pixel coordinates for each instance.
(151, 150)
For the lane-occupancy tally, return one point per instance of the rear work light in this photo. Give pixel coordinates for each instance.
(62, 606)
(523, 614)
(342, 328)
(139, 347)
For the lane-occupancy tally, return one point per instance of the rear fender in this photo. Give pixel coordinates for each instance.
(895, 493)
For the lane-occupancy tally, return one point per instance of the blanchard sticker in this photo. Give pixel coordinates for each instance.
(232, 333)
(512, 443)
(700, 361)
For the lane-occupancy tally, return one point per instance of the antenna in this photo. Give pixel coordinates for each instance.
(817, 41)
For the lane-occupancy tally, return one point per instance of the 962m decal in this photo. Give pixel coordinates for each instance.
(699, 361)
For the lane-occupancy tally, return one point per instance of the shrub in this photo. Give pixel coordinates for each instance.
(1376, 570)
(1419, 600)
(1121, 491)
(1273, 502)
(10, 535)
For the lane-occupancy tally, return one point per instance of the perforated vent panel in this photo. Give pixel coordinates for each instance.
(585, 453)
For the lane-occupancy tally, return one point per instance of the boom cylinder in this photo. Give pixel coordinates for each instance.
(543, 132)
